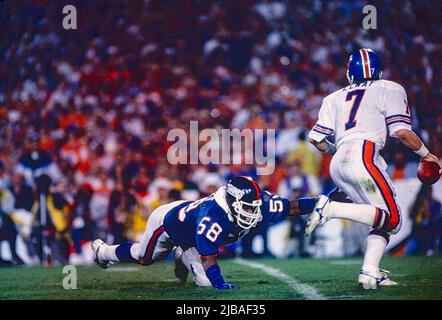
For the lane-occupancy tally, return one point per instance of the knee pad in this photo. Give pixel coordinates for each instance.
(381, 233)
(191, 255)
(382, 220)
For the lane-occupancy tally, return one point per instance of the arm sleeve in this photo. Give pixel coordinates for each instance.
(325, 126)
(397, 111)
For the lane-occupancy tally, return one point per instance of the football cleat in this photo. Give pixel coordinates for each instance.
(371, 279)
(96, 246)
(318, 216)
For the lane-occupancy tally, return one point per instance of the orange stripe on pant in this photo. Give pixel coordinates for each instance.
(384, 187)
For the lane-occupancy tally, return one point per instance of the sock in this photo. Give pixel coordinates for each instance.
(306, 205)
(123, 252)
(118, 253)
(376, 245)
(362, 213)
(108, 253)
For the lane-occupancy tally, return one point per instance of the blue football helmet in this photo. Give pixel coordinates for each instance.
(363, 65)
(243, 196)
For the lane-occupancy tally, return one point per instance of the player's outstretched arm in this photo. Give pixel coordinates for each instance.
(412, 141)
(302, 206)
(213, 272)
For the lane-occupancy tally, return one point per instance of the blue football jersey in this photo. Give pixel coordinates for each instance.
(204, 223)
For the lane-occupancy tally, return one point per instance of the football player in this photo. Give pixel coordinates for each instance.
(358, 117)
(196, 229)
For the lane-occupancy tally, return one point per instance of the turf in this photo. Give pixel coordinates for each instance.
(418, 277)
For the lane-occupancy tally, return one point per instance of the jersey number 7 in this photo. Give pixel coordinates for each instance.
(351, 123)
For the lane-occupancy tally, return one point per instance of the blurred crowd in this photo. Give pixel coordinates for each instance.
(84, 114)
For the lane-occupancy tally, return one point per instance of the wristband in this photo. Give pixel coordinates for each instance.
(423, 151)
(214, 275)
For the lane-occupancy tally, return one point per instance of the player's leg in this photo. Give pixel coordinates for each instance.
(180, 269)
(384, 197)
(327, 209)
(357, 171)
(127, 252)
(348, 172)
(192, 260)
(361, 173)
(189, 261)
(154, 246)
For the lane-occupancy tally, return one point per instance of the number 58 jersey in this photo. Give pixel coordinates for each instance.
(363, 111)
(205, 224)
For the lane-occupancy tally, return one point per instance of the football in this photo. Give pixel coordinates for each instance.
(428, 172)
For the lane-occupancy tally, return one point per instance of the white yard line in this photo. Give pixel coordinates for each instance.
(304, 289)
(122, 269)
(346, 262)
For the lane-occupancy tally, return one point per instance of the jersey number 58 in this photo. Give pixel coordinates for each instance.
(213, 231)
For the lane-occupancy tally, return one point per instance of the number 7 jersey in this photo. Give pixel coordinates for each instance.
(363, 111)
(205, 224)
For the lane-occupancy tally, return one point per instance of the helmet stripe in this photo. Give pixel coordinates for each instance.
(365, 62)
(368, 63)
(258, 194)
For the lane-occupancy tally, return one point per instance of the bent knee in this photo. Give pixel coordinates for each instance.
(396, 227)
(387, 222)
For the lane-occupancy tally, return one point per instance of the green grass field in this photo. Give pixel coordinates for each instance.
(418, 277)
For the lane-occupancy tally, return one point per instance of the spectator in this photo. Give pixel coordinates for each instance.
(22, 216)
(8, 231)
(425, 214)
(82, 226)
(36, 162)
(401, 168)
(305, 155)
(297, 180)
(50, 231)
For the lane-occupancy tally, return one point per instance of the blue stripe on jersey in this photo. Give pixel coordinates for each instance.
(322, 127)
(398, 118)
(398, 115)
(397, 121)
(322, 132)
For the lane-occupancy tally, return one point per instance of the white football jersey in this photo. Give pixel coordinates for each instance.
(363, 111)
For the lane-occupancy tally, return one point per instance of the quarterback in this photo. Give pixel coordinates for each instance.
(358, 116)
(196, 230)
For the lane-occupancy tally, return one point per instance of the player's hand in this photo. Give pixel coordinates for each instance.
(432, 158)
(225, 286)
